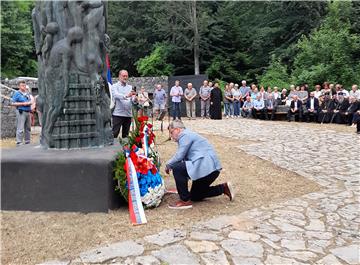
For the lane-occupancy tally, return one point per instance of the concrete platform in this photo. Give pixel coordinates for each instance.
(35, 179)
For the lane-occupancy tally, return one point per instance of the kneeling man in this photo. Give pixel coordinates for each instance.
(195, 159)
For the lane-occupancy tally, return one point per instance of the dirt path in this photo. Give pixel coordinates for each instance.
(28, 238)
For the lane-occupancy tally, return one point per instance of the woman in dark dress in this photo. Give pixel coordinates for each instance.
(215, 102)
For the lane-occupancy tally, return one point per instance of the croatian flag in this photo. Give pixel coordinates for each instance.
(108, 76)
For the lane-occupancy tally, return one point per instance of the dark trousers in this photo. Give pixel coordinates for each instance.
(118, 122)
(311, 116)
(297, 114)
(200, 188)
(262, 114)
(176, 110)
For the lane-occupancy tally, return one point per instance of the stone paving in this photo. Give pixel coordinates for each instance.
(317, 228)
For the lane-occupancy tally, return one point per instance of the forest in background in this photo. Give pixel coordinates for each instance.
(269, 43)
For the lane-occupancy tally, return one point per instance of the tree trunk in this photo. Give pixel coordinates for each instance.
(196, 39)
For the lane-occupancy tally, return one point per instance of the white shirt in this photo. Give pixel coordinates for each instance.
(312, 103)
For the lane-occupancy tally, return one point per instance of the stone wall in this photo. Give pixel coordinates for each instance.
(8, 114)
(148, 82)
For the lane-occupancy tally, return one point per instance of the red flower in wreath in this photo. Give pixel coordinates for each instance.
(143, 118)
(138, 139)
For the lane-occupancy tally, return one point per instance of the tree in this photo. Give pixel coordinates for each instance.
(275, 75)
(328, 54)
(17, 43)
(156, 64)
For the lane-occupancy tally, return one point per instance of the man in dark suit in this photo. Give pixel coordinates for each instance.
(270, 105)
(353, 107)
(312, 108)
(342, 106)
(295, 109)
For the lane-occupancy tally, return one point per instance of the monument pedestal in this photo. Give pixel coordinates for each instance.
(34, 179)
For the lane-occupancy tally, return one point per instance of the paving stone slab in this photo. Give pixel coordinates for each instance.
(277, 260)
(121, 249)
(166, 237)
(146, 260)
(242, 248)
(205, 236)
(293, 244)
(176, 254)
(350, 254)
(214, 258)
(241, 235)
(329, 260)
(246, 261)
(201, 246)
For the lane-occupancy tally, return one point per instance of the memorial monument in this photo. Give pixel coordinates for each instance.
(71, 45)
(68, 174)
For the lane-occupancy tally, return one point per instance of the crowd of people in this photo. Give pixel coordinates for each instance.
(327, 103)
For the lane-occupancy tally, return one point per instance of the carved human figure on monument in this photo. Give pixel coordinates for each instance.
(57, 75)
(71, 45)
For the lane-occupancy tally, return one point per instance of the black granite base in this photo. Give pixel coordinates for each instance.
(35, 179)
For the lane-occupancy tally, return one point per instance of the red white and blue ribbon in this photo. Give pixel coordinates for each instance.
(145, 141)
(136, 209)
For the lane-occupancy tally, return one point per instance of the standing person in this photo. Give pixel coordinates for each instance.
(204, 94)
(32, 106)
(245, 91)
(195, 159)
(21, 100)
(215, 102)
(237, 98)
(317, 92)
(228, 101)
(159, 100)
(123, 95)
(176, 92)
(144, 101)
(190, 94)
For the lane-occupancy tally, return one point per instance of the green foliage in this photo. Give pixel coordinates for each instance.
(329, 52)
(120, 175)
(275, 75)
(155, 64)
(17, 43)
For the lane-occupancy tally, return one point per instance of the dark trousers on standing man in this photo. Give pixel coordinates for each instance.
(121, 122)
(200, 188)
(176, 110)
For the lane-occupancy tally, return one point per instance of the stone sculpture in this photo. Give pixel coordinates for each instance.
(71, 45)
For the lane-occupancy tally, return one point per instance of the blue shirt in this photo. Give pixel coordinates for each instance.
(159, 96)
(248, 105)
(176, 90)
(244, 90)
(21, 97)
(259, 104)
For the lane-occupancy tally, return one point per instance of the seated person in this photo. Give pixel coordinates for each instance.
(271, 105)
(295, 109)
(312, 108)
(259, 108)
(246, 110)
(283, 97)
(342, 105)
(354, 106)
(195, 159)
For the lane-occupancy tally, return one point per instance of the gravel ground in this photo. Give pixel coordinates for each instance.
(28, 237)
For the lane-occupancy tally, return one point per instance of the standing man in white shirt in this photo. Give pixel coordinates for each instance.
(123, 96)
(176, 92)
